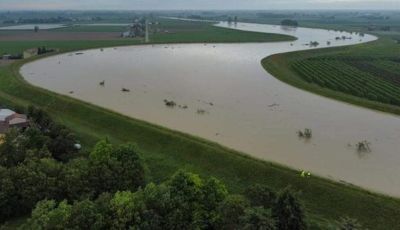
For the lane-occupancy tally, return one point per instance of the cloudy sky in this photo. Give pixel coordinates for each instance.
(197, 4)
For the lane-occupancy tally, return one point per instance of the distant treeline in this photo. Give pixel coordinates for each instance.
(289, 22)
(38, 20)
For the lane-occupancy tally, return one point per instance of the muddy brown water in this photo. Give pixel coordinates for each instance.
(233, 101)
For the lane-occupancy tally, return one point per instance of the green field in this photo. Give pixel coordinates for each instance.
(89, 28)
(15, 47)
(165, 151)
(191, 31)
(366, 75)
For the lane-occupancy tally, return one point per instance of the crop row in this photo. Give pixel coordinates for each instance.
(344, 76)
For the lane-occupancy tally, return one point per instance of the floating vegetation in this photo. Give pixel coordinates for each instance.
(307, 133)
(125, 90)
(170, 104)
(273, 105)
(314, 44)
(201, 111)
(363, 147)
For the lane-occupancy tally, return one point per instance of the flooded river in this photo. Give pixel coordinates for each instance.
(223, 94)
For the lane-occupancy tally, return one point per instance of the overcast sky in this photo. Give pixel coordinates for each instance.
(196, 4)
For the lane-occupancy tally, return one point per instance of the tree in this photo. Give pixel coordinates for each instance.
(132, 172)
(123, 206)
(85, 215)
(34, 181)
(288, 211)
(115, 169)
(230, 212)
(8, 197)
(49, 215)
(11, 151)
(185, 191)
(74, 180)
(347, 223)
(256, 219)
(214, 192)
(62, 142)
(289, 22)
(261, 195)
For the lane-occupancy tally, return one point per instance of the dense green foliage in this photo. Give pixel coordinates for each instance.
(185, 201)
(32, 171)
(288, 22)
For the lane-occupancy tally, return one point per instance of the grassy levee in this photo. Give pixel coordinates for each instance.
(14, 47)
(280, 66)
(166, 151)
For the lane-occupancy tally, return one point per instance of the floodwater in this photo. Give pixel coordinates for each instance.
(233, 101)
(32, 26)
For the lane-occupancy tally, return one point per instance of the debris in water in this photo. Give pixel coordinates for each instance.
(102, 83)
(71, 92)
(170, 104)
(307, 133)
(363, 147)
(125, 90)
(273, 105)
(201, 111)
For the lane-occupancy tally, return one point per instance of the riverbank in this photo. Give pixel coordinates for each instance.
(165, 151)
(281, 66)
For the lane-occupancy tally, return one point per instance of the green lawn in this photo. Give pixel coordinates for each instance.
(166, 151)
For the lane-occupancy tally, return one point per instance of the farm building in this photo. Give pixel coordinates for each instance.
(6, 56)
(30, 53)
(10, 119)
(137, 29)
